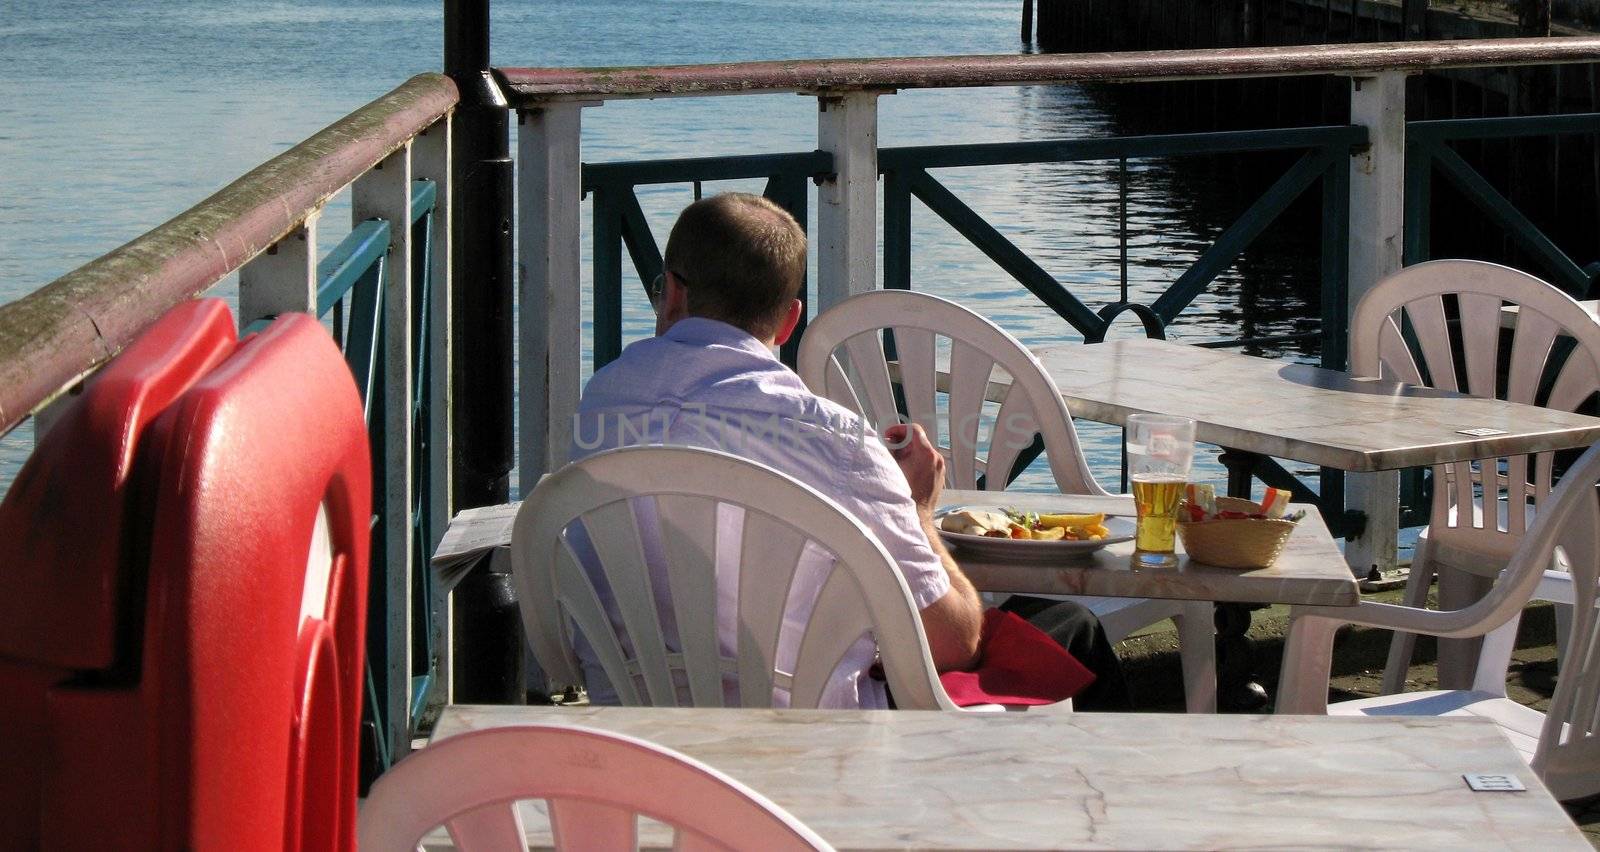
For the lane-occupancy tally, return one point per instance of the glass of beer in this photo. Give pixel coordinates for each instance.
(1160, 451)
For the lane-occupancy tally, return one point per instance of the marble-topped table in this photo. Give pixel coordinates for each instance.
(1508, 313)
(1301, 412)
(866, 779)
(1310, 572)
(1260, 408)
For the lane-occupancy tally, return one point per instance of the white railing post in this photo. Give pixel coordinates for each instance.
(550, 318)
(281, 279)
(847, 203)
(430, 160)
(1377, 198)
(385, 193)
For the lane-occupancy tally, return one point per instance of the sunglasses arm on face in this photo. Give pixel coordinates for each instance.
(657, 289)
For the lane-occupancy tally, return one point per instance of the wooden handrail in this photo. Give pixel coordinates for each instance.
(532, 86)
(57, 334)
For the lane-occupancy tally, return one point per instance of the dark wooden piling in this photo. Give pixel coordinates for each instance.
(1414, 13)
(1553, 181)
(1532, 183)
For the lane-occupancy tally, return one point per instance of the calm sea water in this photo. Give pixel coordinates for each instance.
(117, 116)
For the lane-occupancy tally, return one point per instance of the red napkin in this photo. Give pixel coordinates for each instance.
(1021, 665)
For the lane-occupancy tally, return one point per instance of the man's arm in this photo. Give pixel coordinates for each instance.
(953, 623)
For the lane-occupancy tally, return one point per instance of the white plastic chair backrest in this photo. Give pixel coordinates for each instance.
(842, 357)
(596, 783)
(863, 592)
(1378, 348)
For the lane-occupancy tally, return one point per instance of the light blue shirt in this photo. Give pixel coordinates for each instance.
(708, 384)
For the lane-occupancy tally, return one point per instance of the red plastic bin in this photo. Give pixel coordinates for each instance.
(189, 545)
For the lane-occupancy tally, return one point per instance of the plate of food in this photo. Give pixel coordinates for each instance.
(1007, 533)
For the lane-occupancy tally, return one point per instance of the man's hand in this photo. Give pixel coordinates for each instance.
(920, 461)
(954, 622)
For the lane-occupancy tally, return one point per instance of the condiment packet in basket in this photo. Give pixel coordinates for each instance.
(1200, 504)
(1201, 500)
(1275, 502)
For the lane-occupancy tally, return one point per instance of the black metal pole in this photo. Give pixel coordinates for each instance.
(488, 637)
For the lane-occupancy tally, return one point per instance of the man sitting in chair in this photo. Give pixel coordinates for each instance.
(734, 267)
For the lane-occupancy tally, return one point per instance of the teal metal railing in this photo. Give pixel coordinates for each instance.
(352, 281)
(1323, 157)
(264, 227)
(1320, 160)
(619, 221)
(51, 339)
(549, 103)
(1429, 151)
(350, 287)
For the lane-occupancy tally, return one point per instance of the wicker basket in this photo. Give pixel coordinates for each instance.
(1235, 542)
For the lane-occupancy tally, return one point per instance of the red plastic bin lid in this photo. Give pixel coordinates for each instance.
(65, 556)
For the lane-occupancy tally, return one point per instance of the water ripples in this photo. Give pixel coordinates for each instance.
(149, 108)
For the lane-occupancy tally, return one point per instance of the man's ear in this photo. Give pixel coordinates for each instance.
(674, 304)
(676, 296)
(797, 309)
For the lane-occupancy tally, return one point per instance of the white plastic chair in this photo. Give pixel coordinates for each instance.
(1560, 745)
(595, 783)
(1479, 513)
(863, 593)
(842, 357)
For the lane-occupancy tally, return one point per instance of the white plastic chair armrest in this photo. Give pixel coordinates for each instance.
(1451, 624)
(1308, 652)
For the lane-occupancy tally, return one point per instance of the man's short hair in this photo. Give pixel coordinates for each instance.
(741, 257)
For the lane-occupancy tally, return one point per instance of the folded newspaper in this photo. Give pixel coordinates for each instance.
(472, 535)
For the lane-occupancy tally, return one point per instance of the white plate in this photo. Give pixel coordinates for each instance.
(1122, 529)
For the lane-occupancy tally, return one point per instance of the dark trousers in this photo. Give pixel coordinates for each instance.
(1076, 629)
